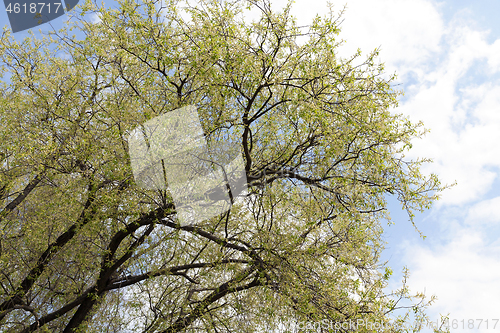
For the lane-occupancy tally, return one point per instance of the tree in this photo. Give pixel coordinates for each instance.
(83, 248)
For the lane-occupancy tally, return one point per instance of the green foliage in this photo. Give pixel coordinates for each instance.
(84, 249)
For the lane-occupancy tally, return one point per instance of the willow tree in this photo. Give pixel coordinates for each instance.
(84, 248)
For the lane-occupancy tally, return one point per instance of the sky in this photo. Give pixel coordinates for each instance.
(447, 57)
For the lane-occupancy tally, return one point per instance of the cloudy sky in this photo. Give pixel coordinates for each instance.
(447, 56)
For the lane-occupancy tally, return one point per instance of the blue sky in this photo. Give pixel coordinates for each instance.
(447, 56)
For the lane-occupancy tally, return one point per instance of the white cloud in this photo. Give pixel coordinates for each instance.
(484, 212)
(408, 31)
(464, 274)
(464, 137)
(493, 56)
(464, 121)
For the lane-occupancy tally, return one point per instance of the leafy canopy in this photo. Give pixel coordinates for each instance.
(83, 249)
